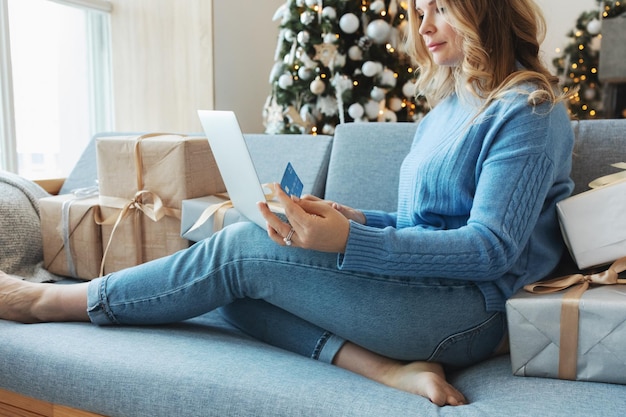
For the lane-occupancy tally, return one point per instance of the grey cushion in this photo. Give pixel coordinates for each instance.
(365, 164)
(307, 153)
(599, 144)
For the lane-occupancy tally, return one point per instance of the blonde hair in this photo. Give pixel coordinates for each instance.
(500, 45)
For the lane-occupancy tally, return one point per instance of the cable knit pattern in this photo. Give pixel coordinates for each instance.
(476, 199)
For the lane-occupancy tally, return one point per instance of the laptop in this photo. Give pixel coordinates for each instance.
(234, 162)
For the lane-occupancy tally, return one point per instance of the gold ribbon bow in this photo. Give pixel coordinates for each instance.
(144, 201)
(577, 284)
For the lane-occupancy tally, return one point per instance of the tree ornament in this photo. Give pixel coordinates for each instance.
(371, 68)
(305, 73)
(349, 23)
(388, 116)
(377, 6)
(395, 104)
(355, 53)
(377, 94)
(303, 37)
(378, 30)
(325, 53)
(285, 81)
(408, 89)
(594, 27)
(329, 13)
(388, 78)
(372, 108)
(311, 3)
(307, 17)
(317, 86)
(356, 111)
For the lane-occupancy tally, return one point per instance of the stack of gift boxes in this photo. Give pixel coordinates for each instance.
(574, 326)
(134, 214)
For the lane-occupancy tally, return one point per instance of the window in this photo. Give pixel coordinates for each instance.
(55, 82)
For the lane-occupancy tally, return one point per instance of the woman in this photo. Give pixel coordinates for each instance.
(392, 296)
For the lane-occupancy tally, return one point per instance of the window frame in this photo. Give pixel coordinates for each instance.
(100, 75)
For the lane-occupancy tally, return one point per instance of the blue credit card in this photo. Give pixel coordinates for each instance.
(290, 183)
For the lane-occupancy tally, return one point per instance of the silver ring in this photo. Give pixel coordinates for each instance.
(288, 238)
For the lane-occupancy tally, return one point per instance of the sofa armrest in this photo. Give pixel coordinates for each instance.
(51, 185)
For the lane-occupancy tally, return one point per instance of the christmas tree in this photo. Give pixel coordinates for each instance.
(578, 63)
(339, 61)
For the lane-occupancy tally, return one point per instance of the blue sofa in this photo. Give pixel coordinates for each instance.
(205, 367)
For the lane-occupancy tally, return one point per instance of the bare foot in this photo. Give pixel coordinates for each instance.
(27, 302)
(422, 378)
(426, 379)
(18, 298)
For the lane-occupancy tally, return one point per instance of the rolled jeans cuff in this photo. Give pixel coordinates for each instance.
(327, 347)
(96, 303)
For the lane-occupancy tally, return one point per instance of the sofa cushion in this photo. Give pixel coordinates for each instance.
(599, 143)
(365, 164)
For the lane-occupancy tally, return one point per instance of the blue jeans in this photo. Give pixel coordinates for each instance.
(299, 300)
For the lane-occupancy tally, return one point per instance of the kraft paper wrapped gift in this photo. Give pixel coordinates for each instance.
(204, 216)
(596, 353)
(594, 224)
(143, 181)
(72, 242)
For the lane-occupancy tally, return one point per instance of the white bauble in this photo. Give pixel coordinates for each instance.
(330, 38)
(317, 86)
(349, 23)
(299, 3)
(329, 13)
(378, 30)
(590, 93)
(371, 68)
(377, 6)
(371, 109)
(395, 104)
(311, 3)
(377, 94)
(285, 81)
(276, 71)
(389, 116)
(290, 35)
(356, 111)
(307, 17)
(305, 73)
(408, 89)
(328, 129)
(388, 78)
(303, 37)
(594, 27)
(355, 53)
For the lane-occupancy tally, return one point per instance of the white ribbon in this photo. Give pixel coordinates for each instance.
(79, 194)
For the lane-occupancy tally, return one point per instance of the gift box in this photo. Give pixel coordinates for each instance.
(586, 342)
(203, 216)
(143, 181)
(72, 242)
(594, 226)
(135, 238)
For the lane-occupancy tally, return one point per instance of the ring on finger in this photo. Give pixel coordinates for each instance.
(287, 239)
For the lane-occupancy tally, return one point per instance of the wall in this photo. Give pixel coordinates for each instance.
(166, 66)
(162, 64)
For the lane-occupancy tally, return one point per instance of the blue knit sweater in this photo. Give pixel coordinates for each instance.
(476, 199)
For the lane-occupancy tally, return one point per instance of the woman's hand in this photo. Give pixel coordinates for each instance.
(317, 224)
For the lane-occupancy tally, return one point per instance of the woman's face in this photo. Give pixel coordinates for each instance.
(442, 41)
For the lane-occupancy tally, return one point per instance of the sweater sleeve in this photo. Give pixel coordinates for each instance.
(514, 173)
